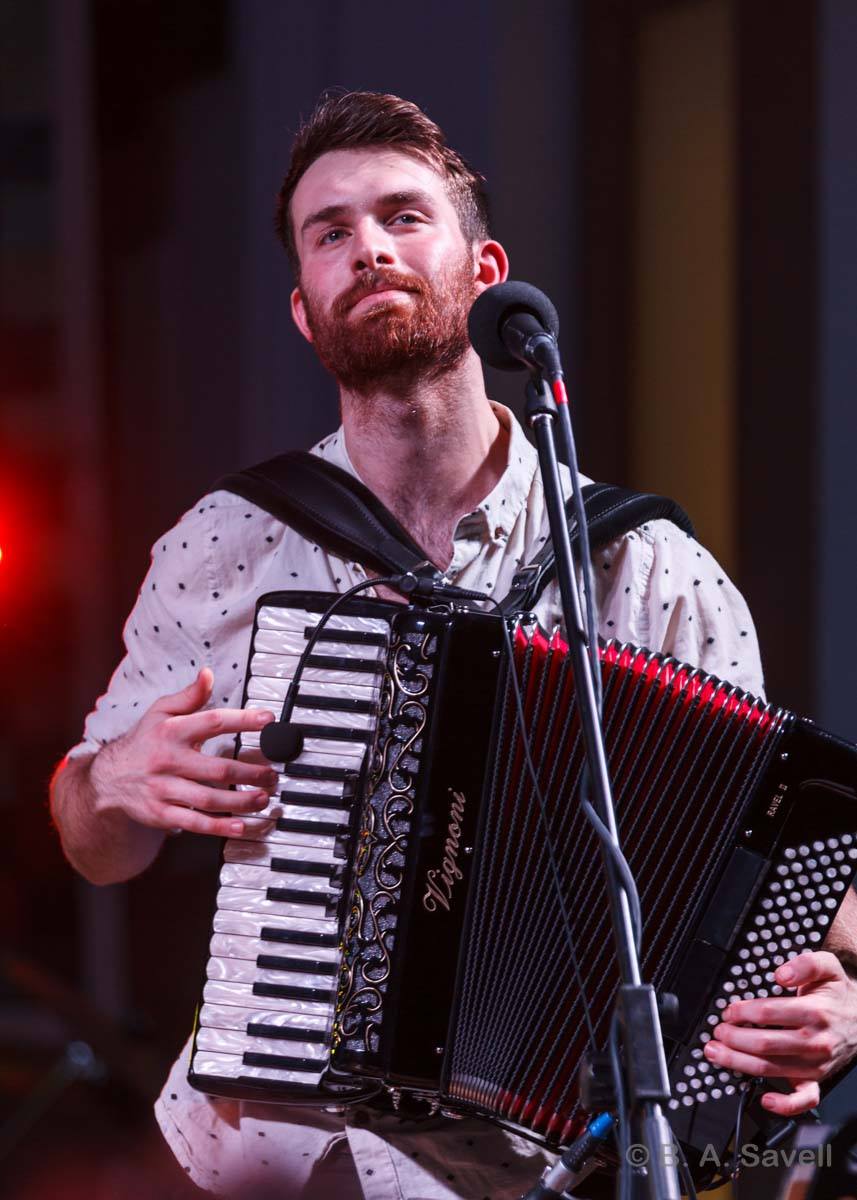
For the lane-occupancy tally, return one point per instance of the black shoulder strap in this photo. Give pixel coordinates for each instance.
(330, 507)
(610, 512)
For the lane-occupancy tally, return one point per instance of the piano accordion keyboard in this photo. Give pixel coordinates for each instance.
(271, 976)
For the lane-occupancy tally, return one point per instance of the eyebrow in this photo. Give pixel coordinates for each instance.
(332, 212)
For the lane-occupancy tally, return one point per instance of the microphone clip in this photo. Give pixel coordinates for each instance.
(432, 587)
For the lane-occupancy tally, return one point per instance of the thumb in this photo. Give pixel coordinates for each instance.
(812, 966)
(190, 698)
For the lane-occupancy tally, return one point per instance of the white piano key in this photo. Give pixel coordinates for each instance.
(316, 791)
(277, 688)
(238, 850)
(219, 991)
(228, 945)
(271, 693)
(259, 878)
(277, 666)
(271, 617)
(266, 830)
(238, 970)
(309, 811)
(276, 809)
(291, 643)
(231, 898)
(346, 752)
(336, 718)
(251, 924)
(231, 1066)
(326, 789)
(232, 1041)
(228, 1016)
(337, 692)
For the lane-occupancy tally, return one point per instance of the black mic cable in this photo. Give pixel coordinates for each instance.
(280, 741)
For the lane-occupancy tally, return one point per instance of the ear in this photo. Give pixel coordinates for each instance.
(299, 314)
(491, 264)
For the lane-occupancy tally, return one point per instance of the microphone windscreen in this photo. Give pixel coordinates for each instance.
(281, 742)
(496, 305)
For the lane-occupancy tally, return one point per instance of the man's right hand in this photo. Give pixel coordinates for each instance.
(158, 776)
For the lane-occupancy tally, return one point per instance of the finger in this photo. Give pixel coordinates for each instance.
(755, 1064)
(190, 698)
(813, 966)
(190, 820)
(804, 1097)
(790, 1011)
(774, 1043)
(211, 768)
(198, 795)
(200, 727)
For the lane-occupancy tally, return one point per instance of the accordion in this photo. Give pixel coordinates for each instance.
(398, 920)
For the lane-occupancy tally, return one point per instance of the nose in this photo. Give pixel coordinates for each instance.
(371, 247)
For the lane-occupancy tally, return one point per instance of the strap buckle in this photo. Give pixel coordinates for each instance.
(524, 577)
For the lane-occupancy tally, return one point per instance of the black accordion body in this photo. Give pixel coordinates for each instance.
(395, 924)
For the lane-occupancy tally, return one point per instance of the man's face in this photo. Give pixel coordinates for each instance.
(387, 278)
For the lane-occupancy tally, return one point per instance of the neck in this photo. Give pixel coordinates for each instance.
(430, 450)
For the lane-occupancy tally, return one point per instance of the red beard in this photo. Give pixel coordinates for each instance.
(394, 341)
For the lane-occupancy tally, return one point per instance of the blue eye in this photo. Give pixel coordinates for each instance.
(327, 238)
(411, 218)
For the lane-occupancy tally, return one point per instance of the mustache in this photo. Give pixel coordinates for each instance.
(376, 281)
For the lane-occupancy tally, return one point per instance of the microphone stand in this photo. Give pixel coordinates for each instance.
(644, 1071)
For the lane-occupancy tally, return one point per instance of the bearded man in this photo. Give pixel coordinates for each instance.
(387, 231)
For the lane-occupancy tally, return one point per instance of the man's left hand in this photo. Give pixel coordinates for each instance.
(815, 1034)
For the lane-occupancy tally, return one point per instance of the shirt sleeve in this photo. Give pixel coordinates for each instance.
(659, 588)
(164, 644)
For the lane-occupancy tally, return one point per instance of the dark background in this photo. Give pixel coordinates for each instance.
(680, 177)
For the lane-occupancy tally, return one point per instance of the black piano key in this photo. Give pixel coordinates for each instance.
(347, 637)
(335, 703)
(331, 828)
(309, 966)
(296, 896)
(288, 991)
(287, 1033)
(307, 771)
(311, 800)
(332, 733)
(299, 937)
(338, 662)
(298, 866)
(282, 1062)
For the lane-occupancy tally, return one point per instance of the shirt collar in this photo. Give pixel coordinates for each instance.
(495, 516)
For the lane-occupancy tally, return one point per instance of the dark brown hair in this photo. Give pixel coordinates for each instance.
(357, 120)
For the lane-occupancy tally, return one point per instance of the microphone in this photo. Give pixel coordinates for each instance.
(512, 326)
(280, 741)
(425, 587)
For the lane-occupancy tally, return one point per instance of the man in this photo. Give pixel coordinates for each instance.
(387, 231)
